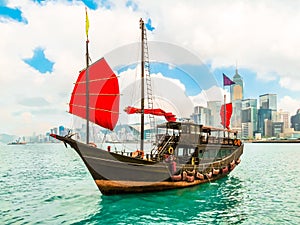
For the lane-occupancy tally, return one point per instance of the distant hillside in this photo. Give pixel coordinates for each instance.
(6, 138)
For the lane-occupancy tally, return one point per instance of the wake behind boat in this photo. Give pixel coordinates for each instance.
(185, 154)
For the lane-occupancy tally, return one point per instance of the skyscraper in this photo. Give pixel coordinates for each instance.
(283, 116)
(215, 107)
(249, 117)
(237, 95)
(267, 111)
(268, 101)
(201, 115)
(262, 115)
(295, 121)
(237, 89)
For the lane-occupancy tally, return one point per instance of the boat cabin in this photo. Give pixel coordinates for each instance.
(194, 134)
(186, 140)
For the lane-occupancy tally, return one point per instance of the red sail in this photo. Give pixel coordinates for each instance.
(227, 115)
(157, 112)
(104, 95)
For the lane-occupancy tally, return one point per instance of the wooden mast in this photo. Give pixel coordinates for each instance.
(142, 27)
(87, 79)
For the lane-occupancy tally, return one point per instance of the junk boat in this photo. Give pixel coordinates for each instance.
(185, 154)
(18, 142)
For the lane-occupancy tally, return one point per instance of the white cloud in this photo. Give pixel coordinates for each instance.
(168, 94)
(212, 94)
(289, 104)
(262, 35)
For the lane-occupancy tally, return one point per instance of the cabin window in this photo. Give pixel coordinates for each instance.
(197, 129)
(200, 155)
(185, 151)
(203, 137)
(206, 155)
(193, 129)
(180, 151)
(185, 129)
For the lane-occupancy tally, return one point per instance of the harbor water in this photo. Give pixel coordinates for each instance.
(49, 184)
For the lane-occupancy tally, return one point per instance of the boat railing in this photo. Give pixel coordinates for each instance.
(208, 164)
(220, 140)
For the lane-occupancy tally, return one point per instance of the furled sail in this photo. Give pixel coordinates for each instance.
(104, 95)
(225, 114)
(170, 117)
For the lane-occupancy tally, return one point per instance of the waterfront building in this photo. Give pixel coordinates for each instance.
(201, 115)
(214, 107)
(237, 89)
(61, 130)
(266, 114)
(268, 131)
(262, 115)
(284, 116)
(277, 128)
(268, 101)
(237, 95)
(53, 130)
(295, 121)
(249, 118)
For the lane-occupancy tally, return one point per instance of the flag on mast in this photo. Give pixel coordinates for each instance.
(226, 109)
(227, 81)
(225, 113)
(87, 23)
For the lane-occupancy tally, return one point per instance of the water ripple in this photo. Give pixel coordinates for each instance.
(48, 184)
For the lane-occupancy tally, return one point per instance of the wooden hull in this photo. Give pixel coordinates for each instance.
(108, 187)
(118, 174)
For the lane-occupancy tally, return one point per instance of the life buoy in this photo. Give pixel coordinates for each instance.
(216, 171)
(237, 142)
(208, 175)
(138, 153)
(225, 170)
(200, 176)
(171, 150)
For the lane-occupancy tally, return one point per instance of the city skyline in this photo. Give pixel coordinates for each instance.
(39, 69)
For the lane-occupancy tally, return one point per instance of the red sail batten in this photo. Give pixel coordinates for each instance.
(104, 98)
(170, 117)
(227, 115)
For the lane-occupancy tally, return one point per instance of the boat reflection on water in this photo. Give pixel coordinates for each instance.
(217, 202)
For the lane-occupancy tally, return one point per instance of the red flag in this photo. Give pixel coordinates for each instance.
(226, 115)
(170, 117)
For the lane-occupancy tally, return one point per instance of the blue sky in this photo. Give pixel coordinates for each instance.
(44, 48)
(12, 13)
(39, 61)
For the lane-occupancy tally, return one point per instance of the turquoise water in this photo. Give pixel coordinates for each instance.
(48, 184)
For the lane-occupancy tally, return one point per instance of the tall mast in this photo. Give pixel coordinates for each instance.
(142, 85)
(87, 78)
(224, 126)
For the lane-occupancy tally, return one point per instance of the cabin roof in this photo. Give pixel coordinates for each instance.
(178, 125)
